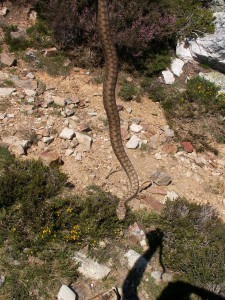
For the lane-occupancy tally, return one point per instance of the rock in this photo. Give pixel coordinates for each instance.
(151, 203)
(67, 133)
(160, 178)
(155, 190)
(169, 148)
(85, 142)
(27, 108)
(30, 75)
(59, 101)
(136, 231)
(134, 259)
(69, 112)
(4, 76)
(48, 139)
(158, 156)
(188, 147)
(25, 84)
(18, 150)
(168, 77)
(129, 110)
(30, 93)
(33, 17)
(4, 11)
(210, 48)
(133, 142)
(69, 152)
(2, 280)
(136, 121)
(65, 293)
(200, 161)
(135, 128)
(177, 66)
(169, 132)
(83, 127)
(145, 185)
(20, 34)
(120, 107)
(78, 156)
(156, 275)
(183, 51)
(171, 195)
(215, 77)
(8, 60)
(51, 51)
(92, 114)
(49, 157)
(90, 268)
(2, 116)
(4, 92)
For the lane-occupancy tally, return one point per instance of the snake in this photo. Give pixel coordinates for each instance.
(109, 102)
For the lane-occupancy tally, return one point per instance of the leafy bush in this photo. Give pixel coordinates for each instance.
(156, 64)
(15, 44)
(29, 182)
(127, 91)
(194, 243)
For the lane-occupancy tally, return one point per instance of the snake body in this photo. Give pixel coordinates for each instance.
(109, 101)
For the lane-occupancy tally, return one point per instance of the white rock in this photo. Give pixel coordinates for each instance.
(177, 66)
(4, 11)
(158, 156)
(171, 195)
(169, 133)
(67, 133)
(2, 116)
(30, 93)
(8, 60)
(135, 259)
(30, 76)
(223, 201)
(10, 116)
(6, 91)
(168, 77)
(65, 293)
(133, 142)
(69, 152)
(136, 128)
(90, 268)
(48, 139)
(59, 101)
(78, 156)
(156, 275)
(129, 110)
(85, 142)
(183, 51)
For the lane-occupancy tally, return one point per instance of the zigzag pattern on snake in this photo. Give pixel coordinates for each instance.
(109, 102)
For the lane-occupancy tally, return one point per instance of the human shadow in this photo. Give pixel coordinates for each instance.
(183, 291)
(133, 279)
(178, 290)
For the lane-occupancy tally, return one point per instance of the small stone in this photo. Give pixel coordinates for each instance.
(30, 75)
(85, 142)
(136, 121)
(58, 101)
(50, 157)
(188, 147)
(169, 133)
(156, 275)
(171, 195)
(65, 293)
(90, 268)
(69, 112)
(78, 156)
(8, 60)
(151, 203)
(112, 294)
(200, 161)
(18, 150)
(30, 100)
(223, 201)
(168, 77)
(135, 260)
(2, 280)
(160, 178)
(67, 133)
(133, 142)
(158, 156)
(48, 139)
(129, 110)
(2, 116)
(10, 116)
(177, 66)
(69, 152)
(83, 127)
(135, 128)
(51, 51)
(4, 92)
(4, 11)
(120, 107)
(92, 114)
(30, 93)
(169, 148)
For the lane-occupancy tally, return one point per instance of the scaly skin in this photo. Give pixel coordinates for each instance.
(109, 102)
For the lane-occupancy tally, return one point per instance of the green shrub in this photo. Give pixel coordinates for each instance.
(127, 91)
(155, 64)
(202, 92)
(194, 243)
(15, 44)
(29, 182)
(55, 65)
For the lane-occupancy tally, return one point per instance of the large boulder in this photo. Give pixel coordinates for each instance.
(209, 49)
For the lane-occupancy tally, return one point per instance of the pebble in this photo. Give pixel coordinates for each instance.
(135, 128)
(69, 152)
(30, 75)
(188, 147)
(158, 156)
(169, 133)
(129, 110)
(30, 93)
(65, 293)
(160, 178)
(67, 133)
(92, 114)
(69, 112)
(4, 92)
(2, 280)
(48, 140)
(90, 268)
(85, 142)
(133, 142)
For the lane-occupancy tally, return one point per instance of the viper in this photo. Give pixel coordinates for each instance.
(109, 101)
